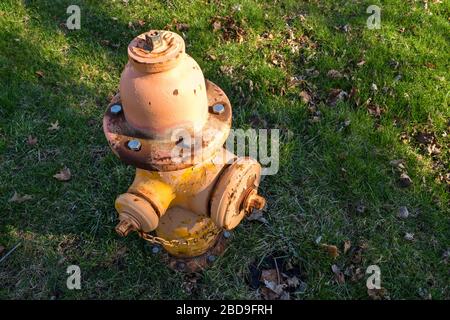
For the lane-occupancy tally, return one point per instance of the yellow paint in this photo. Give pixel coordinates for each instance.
(183, 225)
(150, 185)
(166, 190)
(204, 239)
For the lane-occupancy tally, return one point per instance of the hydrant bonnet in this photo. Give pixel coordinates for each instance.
(162, 87)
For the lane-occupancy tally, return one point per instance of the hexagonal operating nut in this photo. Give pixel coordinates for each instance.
(253, 201)
(153, 40)
(124, 227)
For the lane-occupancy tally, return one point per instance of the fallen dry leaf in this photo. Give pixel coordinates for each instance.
(258, 216)
(54, 126)
(182, 26)
(347, 246)
(31, 141)
(231, 29)
(312, 72)
(334, 74)
(211, 57)
(356, 255)
(356, 274)
(19, 199)
(336, 95)
(377, 294)
(217, 25)
(268, 294)
(306, 98)
(427, 141)
(409, 236)
(361, 63)
(338, 274)
(360, 207)
(425, 137)
(277, 60)
(399, 163)
(375, 110)
(446, 256)
(63, 175)
(404, 180)
(190, 282)
(332, 250)
(269, 275)
(293, 281)
(403, 212)
(227, 70)
(276, 288)
(373, 87)
(271, 279)
(40, 73)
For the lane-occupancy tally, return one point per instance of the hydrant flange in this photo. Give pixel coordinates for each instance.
(156, 154)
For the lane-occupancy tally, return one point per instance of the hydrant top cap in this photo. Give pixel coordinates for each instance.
(156, 50)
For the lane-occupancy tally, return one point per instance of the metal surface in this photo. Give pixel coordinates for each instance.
(218, 108)
(134, 145)
(180, 100)
(116, 108)
(228, 201)
(187, 188)
(198, 263)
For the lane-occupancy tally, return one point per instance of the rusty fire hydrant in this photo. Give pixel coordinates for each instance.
(171, 124)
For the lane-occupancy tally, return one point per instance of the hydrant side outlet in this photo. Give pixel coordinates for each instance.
(171, 124)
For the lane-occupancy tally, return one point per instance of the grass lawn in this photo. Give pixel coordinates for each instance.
(349, 101)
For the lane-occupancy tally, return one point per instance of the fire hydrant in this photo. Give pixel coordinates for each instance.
(171, 124)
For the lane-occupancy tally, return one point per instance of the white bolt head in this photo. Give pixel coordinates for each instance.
(116, 109)
(134, 145)
(218, 108)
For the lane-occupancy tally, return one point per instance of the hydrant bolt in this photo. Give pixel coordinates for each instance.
(156, 249)
(116, 109)
(134, 145)
(218, 108)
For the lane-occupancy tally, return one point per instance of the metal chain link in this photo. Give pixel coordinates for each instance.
(173, 243)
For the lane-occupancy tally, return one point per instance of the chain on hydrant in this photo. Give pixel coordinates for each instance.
(171, 124)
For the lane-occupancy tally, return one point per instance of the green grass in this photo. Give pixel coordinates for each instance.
(326, 169)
